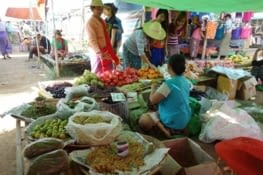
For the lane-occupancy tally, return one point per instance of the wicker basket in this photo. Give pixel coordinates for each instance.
(119, 108)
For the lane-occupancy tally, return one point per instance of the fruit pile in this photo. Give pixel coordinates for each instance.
(119, 78)
(239, 59)
(82, 120)
(50, 128)
(132, 87)
(58, 90)
(149, 73)
(89, 78)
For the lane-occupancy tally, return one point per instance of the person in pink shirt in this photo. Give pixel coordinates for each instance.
(102, 56)
(196, 38)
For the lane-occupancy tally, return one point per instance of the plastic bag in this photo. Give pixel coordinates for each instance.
(49, 163)
(76, 91)
(95, 134)
(227, 122)
(42, 146)
(85, 104)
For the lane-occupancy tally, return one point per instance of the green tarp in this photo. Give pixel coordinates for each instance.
(204, 5)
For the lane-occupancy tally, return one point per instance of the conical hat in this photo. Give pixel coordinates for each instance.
(96, 3)
(154, 30)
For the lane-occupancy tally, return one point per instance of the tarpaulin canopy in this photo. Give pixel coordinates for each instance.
(204, 5)
(23, 13)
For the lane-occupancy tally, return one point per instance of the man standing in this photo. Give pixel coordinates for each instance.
(43, 44)
(102, 55)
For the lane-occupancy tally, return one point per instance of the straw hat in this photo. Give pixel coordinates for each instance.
(154, 30)
(96, 3)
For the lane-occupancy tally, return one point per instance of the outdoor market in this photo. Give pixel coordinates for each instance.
(137, 87)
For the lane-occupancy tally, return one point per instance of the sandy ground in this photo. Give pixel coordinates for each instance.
(18, 80)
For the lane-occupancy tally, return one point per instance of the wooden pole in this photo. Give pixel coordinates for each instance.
(54, 43)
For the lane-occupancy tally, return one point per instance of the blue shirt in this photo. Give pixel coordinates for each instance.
(137, 42)
(175, 110)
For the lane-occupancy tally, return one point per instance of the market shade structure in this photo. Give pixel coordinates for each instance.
(215, 6)
(23, 13)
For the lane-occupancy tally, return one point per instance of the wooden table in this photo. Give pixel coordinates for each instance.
(79, 65)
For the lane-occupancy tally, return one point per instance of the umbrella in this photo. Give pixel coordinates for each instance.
(24, 13)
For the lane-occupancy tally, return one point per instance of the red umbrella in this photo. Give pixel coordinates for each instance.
(23, 13)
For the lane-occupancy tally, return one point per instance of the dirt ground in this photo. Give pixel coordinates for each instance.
(18, 82)
(18, 79)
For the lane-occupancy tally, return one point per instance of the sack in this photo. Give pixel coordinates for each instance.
(49, 163)
(225, 121)
(95, 133)
(235, 35)
(42, 146)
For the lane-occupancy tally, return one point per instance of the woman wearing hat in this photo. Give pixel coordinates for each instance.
(102, 55)
(134, 46)
(114, 25)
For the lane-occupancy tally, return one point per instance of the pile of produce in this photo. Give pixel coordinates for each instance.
(192, 71)
(137, 86)
(82, 120)
(89, 78)
(58, 90)
(149, 73)
(119, 78)
(35, 110)
(240, 59)
(50, 128)
(206, 64)
(104, 159)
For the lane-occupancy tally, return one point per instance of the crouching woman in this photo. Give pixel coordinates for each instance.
(172, 98)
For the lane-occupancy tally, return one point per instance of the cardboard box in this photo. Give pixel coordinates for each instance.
(170, 166)
(247, 88)
(191, 157)
(227, 86)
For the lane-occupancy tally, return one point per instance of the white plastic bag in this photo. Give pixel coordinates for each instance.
(97, 133)
(227, 122)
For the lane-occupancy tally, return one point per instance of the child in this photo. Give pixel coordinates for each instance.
(172, 98)
(196, 38)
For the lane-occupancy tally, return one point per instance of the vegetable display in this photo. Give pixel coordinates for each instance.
(82, 120)
(119, 78)
(34, 111)
(58, 90)
(149, 73)
(50, 128)
(89, 78)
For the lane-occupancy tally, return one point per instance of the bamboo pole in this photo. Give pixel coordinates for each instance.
(55, 44)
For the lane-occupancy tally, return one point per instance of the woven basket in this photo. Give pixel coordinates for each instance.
(119, 108)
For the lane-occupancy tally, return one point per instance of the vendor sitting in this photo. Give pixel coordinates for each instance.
(61, 45)
(43, 45)
(172, 98)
